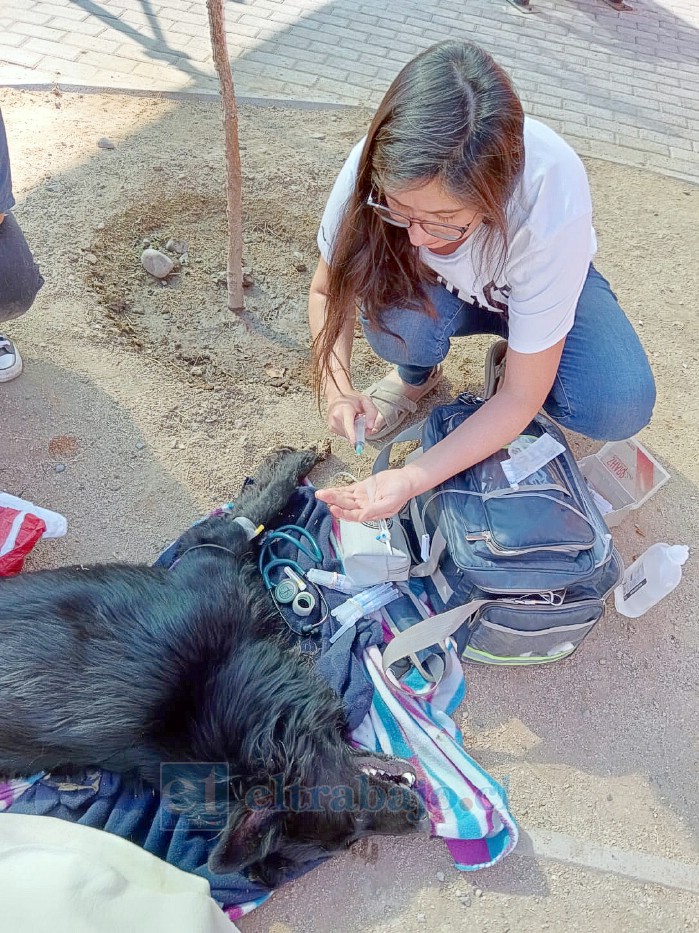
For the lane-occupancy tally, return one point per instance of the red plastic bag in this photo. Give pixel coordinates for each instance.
(19, 532)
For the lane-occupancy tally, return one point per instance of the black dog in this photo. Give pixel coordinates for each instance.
(129, 667)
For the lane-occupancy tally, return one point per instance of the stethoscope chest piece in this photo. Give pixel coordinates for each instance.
(286, 591)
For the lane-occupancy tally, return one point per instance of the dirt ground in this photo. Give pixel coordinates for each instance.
(143, 405)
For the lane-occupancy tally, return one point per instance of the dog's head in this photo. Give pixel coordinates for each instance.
(281, 827)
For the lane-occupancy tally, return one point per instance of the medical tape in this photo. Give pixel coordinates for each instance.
(533, 458)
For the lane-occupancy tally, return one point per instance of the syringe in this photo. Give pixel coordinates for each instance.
(359, 434)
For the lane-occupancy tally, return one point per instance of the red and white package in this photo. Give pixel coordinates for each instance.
(21, 525)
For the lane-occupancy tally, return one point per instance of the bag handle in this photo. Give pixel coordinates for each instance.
(413, 433)
(429, 632)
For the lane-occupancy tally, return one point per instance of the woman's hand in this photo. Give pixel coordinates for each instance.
(343, 410)
(380, 496)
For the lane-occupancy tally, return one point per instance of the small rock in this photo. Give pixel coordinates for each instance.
(105, 143)
(297, 256)
(196, 371)
(466, 901)
(317, 135)
(140, 445)
(145, 242)
(248, 280)
(420, 918)
(91, 258)
(156, 263)
(640, 323)
(176, 246)
(478, 892)
(300, 267)
(602, 662)
(276, 382)
(157, 168)
(59, 468)
(440, 877)
(239, 422)
(100, 226)
(173, 444)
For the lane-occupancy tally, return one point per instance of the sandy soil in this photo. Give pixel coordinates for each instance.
(143, 405)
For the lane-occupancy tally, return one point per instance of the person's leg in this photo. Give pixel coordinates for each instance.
(20, 279)
(417, 342)
(604, 387)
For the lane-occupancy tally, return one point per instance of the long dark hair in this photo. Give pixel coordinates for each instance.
(452, 116)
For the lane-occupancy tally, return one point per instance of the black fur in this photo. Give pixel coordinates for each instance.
(131, 667)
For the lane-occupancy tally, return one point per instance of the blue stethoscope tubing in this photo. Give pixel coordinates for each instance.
(267, 562)
(313, 552)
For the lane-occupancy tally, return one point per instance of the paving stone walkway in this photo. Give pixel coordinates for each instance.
(620, 86)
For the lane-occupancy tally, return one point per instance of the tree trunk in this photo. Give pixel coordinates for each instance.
(234, 199)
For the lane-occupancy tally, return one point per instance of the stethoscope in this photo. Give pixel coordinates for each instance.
(292, 590)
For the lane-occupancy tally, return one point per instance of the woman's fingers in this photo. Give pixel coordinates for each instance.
(342, 497)
(349, 515)
(348, 419)
(341, 414)
(353, 503)
(371, 412)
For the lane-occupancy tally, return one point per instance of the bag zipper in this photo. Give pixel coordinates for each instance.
(499, 550)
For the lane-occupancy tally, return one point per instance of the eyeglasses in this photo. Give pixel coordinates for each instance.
(448, 232)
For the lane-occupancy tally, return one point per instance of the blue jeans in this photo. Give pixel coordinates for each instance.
(604, 387)
(20, 279)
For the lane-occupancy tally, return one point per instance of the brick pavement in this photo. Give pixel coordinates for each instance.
(620, 86)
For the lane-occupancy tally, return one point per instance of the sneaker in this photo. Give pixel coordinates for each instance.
(494, 368)
(10, 360)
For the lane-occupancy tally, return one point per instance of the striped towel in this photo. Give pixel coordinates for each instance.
(412, 719)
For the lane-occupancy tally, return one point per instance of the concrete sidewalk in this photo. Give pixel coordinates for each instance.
(619, 86)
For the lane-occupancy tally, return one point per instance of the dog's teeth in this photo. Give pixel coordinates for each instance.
(373, 771)
(409, 778)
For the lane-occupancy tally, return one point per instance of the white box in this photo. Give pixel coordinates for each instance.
(625, 474)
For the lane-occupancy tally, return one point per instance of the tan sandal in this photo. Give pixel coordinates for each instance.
(494, 368)
(394, 407)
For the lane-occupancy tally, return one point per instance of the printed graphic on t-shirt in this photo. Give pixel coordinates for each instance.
(495, 296)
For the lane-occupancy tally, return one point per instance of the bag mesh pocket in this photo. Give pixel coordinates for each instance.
(513, 634)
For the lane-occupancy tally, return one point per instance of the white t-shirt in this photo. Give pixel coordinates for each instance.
(551, 243)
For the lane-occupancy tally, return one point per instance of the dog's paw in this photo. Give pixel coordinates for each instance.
(322, 449)
(287, 461)
(301, 462)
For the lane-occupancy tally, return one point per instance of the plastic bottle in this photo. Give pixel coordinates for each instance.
(655, 574)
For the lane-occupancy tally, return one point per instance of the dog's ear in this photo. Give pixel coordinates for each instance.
(249, 836)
